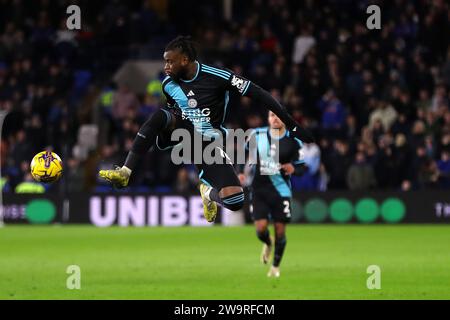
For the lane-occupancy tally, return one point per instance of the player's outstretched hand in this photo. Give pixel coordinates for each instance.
(242, 179)
(288, 168)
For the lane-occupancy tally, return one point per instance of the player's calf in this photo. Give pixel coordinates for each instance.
(280, 245)
(234, 202)
(232, 198)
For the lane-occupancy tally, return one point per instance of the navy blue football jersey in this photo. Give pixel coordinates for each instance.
(266, 173)
(203, 100)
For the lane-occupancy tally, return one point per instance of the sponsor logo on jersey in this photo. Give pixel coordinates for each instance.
(239, 83)
(197, 115)
(269, 167)
(190, 93)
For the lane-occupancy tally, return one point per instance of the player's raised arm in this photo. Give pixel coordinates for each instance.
(247, 88)
(265, 98)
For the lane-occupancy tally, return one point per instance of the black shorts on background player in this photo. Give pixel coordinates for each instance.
(270, 206)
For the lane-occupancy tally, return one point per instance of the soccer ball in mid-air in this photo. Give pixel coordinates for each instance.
(46, 167)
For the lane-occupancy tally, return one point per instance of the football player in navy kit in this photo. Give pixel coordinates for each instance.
(278, 156)
(197, 100)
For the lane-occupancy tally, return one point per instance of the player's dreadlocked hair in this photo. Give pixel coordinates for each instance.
(185, 45)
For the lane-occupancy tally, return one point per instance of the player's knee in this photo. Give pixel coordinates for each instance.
(158, 121)
(234, 202)
(262, 233)
(261, 230)
(147, 133)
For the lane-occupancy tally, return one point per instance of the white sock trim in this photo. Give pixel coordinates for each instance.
(207, 193)
(127, 170)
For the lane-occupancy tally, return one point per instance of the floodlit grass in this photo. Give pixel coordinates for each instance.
(320, 262)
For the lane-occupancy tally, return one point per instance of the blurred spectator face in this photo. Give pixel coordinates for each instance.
(445, 139)
(367, 76)
(332, 61)
(423, 94)
(445, 156)
(430, 117)
(276, 94)
(429, 140)
(40, 91)
(402, 118)
(371, 150)
(368, 89)
(131, 114)
(72, 163)
(21, 136)
(54, 70)
(382, 143)
(420, 113)
(400, 140)
(405, 97)
(245, 102)
(421, 151)
(254, 121)
(107, 151)
(182, 175)
(237, 69)
(395, 92)
(366, 134)
(26, 65)
(360, 158)
(406, 185)
(36, 121)
(418, 128)
(295, 101)
(128, 144)
(361, 147)
(380, 67)
(274, 121)
(378, 126)
(324, 143)
(351, 121)
(298, 115)
(341, 147)
(440, 91)
(447, 117)
(127, 125)
(357, 67)
(330, 95)
(24, 166)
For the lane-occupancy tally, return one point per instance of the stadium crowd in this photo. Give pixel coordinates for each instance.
(378, 101)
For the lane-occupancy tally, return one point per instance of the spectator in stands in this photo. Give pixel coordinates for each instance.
(309, 180)
(444, 169)
(360, 175)
(405, 67)
(333, 113)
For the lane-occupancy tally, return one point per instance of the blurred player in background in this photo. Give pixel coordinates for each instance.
(270, 186)
(197, 97)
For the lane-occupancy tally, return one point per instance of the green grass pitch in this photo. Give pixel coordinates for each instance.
(320, 262)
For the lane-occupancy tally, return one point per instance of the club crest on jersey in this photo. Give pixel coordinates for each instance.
(192, 103)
